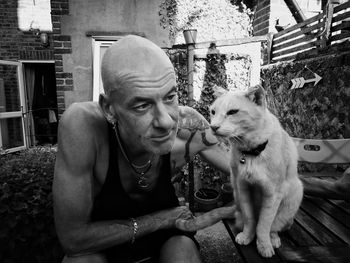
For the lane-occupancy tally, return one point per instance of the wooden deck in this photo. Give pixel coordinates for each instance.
(320, 233)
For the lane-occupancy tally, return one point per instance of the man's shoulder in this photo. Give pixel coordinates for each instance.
(80, 116)
(83, 111)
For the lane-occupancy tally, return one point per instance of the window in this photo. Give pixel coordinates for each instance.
(100, 45)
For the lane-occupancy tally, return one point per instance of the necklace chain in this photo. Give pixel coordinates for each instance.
(142, 180)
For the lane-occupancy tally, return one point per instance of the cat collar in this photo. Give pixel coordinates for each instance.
(254, 152)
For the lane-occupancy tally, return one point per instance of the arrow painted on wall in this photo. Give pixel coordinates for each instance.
(300, 82)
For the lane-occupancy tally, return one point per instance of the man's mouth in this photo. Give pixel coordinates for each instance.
(162, 137)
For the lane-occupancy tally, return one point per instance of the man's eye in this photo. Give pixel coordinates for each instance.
(212, 112)
(231, 112)
(141, 107)
(170, 98)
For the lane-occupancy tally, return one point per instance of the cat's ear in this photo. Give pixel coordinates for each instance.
(256, 94)
(219, 91)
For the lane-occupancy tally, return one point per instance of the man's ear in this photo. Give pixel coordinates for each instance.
(107, 108)
(256, 94)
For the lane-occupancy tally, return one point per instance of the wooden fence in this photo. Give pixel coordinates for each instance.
(325, 29)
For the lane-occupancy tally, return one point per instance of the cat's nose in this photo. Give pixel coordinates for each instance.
(214, 127)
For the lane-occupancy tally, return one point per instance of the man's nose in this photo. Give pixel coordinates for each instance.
(162, 118)
(214, 127)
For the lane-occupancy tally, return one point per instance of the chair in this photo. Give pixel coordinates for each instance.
(326, 184)
(336, 151)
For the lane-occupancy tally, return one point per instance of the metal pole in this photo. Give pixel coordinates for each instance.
(190, 65)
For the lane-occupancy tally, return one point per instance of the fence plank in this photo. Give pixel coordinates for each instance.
(269, 47)
(288, 43)
(345, 24)
(306, 38)
(340, 36)
(298, 48)
(342, 6)
(286, 58)
(299, 33)
(341, 17)
(297, 26)
(231, 42)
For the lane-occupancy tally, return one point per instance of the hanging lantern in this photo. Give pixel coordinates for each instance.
(44, 39)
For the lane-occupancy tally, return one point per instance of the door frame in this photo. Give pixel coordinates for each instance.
(17, 114)
(28, 130)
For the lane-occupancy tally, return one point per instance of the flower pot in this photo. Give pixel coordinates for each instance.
(190, 36)
(226, 193)
(206, 199)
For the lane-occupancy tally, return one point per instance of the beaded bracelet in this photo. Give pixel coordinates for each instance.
(135, 227)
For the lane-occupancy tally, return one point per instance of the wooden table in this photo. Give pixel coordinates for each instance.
(320, 233)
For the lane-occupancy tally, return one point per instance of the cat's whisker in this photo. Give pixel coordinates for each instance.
(238, 139)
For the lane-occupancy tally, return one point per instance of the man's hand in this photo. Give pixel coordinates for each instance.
(206, 219)
(169, 217)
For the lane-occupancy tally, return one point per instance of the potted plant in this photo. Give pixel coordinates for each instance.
(226, 193)
(206, 199)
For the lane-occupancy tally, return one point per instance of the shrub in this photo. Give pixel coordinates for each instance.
(27, 232)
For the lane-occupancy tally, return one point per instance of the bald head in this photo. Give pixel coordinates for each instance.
(134, 61)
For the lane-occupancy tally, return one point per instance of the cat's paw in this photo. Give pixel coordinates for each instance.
(275, 240)
(244, 239)
(265, 248)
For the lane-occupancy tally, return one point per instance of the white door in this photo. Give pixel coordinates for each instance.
(12, 130)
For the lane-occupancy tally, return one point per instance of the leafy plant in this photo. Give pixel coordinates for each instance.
(27, 232)
(313, 112)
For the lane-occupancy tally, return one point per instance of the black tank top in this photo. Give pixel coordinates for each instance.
(114, 203)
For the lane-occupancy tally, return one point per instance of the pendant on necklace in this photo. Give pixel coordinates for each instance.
(142, 181)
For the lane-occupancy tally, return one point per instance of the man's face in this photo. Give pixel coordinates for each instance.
(147, 116)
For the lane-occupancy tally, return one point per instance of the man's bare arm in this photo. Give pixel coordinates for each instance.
(339, 189)
(73, 194)
(195, 130)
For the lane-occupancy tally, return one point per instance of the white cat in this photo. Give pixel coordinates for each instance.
(263, 163)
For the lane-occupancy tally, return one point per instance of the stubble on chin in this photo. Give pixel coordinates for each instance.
(161, 149)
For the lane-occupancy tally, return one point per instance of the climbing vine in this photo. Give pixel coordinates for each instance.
(227, 19)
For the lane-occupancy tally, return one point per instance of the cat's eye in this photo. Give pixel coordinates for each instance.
(212, 112)
(231, 112)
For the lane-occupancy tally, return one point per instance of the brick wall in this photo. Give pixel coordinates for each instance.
(261, 21)
(62, 45)
(17, 44)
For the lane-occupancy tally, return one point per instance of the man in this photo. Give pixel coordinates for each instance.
(113, 199)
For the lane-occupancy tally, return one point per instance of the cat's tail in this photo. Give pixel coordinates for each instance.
(206, 219)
